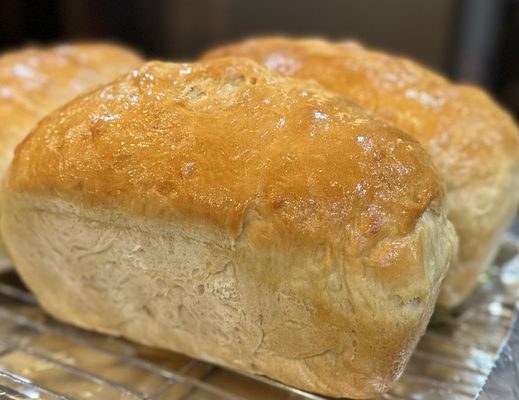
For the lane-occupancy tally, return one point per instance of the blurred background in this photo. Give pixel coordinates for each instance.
(468, 40)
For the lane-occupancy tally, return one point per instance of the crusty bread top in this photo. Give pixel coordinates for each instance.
(219, 140)
(35, 81)
(470, 138)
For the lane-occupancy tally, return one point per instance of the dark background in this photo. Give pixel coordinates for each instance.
(469, 40)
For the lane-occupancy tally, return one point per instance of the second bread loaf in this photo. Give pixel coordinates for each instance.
(474, 143)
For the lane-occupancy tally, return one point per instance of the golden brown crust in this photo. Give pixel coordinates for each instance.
(472, 141)
(217, 139)
(35, 81)
(461, 121)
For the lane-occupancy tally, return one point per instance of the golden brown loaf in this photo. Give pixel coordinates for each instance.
(227, 212)
(472, 141)
(35, 81)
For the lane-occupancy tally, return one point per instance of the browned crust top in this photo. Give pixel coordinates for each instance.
(471, 139)
(37, 80)
(217, 139)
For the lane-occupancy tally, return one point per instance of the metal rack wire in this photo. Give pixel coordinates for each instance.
(41, 358)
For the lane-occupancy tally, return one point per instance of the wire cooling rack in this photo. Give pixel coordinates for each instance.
(41, 358)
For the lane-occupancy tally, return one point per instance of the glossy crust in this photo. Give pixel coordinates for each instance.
(473, 142)
(316, 221)
(35, 81)
(158, 132)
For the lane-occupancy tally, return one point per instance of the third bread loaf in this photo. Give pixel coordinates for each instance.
(473, 142)
(227, 212)
(35, 81)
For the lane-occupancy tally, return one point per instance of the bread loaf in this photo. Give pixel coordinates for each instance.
(473, 142)
(235, 215)
(35, 81)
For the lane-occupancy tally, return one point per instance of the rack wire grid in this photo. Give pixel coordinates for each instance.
(41, 358)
